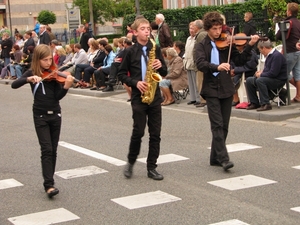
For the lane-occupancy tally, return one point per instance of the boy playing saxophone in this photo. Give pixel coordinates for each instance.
(134, 63)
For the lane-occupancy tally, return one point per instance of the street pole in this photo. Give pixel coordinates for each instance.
(284, 27)
(9, 14)
(91, 17)
(137, 7)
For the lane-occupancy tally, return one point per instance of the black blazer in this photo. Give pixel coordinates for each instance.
(130, 70)
(29, 42)
(45, 38)
(220, 86)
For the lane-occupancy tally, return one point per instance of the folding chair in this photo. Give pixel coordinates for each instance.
(180, 94)
(278, 96)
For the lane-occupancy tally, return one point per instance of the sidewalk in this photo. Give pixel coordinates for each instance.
(276, 114)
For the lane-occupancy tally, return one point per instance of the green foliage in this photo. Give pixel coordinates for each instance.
(102, 9)
(107, 10)
(178, 19)
(46, 17)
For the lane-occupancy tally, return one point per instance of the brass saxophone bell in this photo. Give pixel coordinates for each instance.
(156, 77)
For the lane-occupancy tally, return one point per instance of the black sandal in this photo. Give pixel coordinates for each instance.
(50, 194)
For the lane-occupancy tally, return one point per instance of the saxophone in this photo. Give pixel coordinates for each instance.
(152, 78)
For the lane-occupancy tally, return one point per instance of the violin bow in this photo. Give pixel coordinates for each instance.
(230, 47)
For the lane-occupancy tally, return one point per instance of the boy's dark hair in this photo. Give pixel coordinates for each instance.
(180, 45)
(103, 42)
(211, 19)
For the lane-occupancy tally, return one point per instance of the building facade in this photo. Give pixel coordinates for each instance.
(22, 14)
(179, 4)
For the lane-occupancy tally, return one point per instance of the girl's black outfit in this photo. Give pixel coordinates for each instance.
(47, 121)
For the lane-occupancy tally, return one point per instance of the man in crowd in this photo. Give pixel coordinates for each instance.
(163, 38)
(272, 77)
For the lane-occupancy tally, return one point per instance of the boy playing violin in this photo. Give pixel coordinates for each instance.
(218, 87)
(46, 110)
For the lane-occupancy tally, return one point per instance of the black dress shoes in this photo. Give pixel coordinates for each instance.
(128, 170)
(227, 165)
(197, 103)
(108, 88)
(215, 163)
(252, 106)
(265, 107)
(111, 82)
(235, 103)
(93, 88)
(155, 175)
(53, 192)
(191, 102)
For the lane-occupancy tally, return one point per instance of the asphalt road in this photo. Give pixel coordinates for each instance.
(103, 125)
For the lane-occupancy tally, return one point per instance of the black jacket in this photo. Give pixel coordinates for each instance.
(45, 38)
(6, 46)
(220, 86)
(98, 59)
(130, 70)
(29, 42)
(84, 41)
(249, 28)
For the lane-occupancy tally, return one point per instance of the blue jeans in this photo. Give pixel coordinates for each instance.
(293, 65)
(15, 70)
(262, 84)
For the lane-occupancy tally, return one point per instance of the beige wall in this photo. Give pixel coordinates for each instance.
(24, 13)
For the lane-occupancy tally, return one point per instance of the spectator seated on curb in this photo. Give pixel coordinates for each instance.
(112, 79)
(91, 54)
(176, 78)
(80, 57)
(273, 76)
(238, 69)
(102, 72)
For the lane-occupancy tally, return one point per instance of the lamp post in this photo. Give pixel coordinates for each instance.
(91, 23)
(137, 7)
(9, 14)
(284, 26)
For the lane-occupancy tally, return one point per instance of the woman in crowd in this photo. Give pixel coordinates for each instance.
(176, 78)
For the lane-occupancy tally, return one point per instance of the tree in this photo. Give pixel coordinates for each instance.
(102, 10)
(46, 17)
(147, 5)
(107, 10)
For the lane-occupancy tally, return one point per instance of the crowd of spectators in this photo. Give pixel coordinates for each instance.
(96, 62)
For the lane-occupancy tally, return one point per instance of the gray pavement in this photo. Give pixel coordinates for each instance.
(100, 127)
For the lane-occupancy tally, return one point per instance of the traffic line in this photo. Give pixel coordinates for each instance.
(167, 158)
(145, 199)
(9, 183)
(293, 139)
(240, 147)
(80, 172)
(230, 222)
(93, 154)
(44, 218)
(242, 182)
(296, 209)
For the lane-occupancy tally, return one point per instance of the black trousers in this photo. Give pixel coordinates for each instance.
(87, 74)
(47, 128)
(100, 76)
(219, 111)
(142, 114)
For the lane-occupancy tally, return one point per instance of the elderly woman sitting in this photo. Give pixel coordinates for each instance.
(175, 80)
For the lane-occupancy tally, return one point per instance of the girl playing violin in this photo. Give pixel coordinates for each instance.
(46, 109)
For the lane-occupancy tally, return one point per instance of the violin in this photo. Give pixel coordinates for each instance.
(60, 77)
(238, 39)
